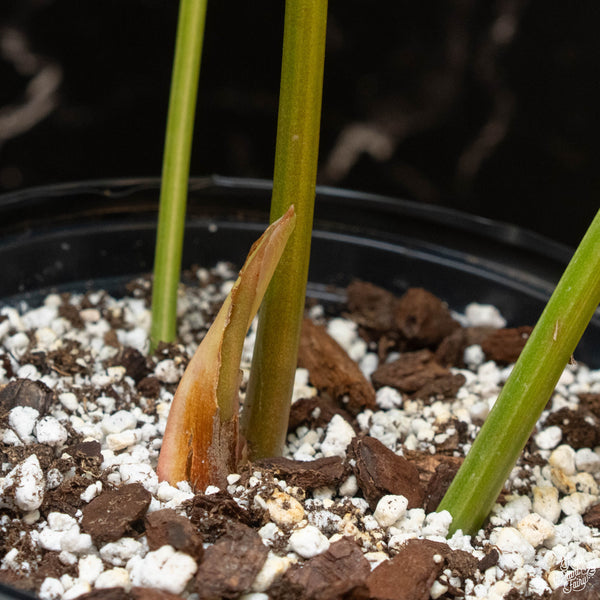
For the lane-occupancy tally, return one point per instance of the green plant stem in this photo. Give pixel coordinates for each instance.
(176, 167)
(504, 434)
(266, 409)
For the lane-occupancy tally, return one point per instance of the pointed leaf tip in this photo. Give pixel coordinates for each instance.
(200, 444)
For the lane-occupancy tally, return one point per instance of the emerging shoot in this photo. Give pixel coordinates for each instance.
(201, 443)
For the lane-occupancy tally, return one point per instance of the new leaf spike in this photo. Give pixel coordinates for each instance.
(201, 443)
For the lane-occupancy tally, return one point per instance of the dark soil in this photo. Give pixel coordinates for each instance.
(420, 328)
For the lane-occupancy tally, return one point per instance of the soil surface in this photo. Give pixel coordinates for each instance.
(388, 399)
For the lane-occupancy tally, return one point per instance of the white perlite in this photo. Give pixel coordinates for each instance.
(49, 431)
(515, 550)
(390, 509)
(308, 541)
(165, 569)
(51, 589)
(117, 577)
(27, 483)
(483, 315)
(273, 567)
(89, 568)
(549, 438)
(339, 434)
(539, 527)
(22, 420)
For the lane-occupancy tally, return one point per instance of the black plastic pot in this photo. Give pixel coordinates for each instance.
(101, 233)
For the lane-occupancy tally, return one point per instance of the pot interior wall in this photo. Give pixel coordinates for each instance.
(101, 234)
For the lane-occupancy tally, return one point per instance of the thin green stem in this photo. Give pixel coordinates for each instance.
(504, 434)
(266, 409)
(176, 167)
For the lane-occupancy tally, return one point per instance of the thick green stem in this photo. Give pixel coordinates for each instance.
(176, 167)
(504, 434)
(266, 409)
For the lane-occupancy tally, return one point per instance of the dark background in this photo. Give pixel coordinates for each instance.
(485, 106)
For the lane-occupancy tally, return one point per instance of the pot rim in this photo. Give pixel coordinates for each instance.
(441, 242)
(114, 188)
